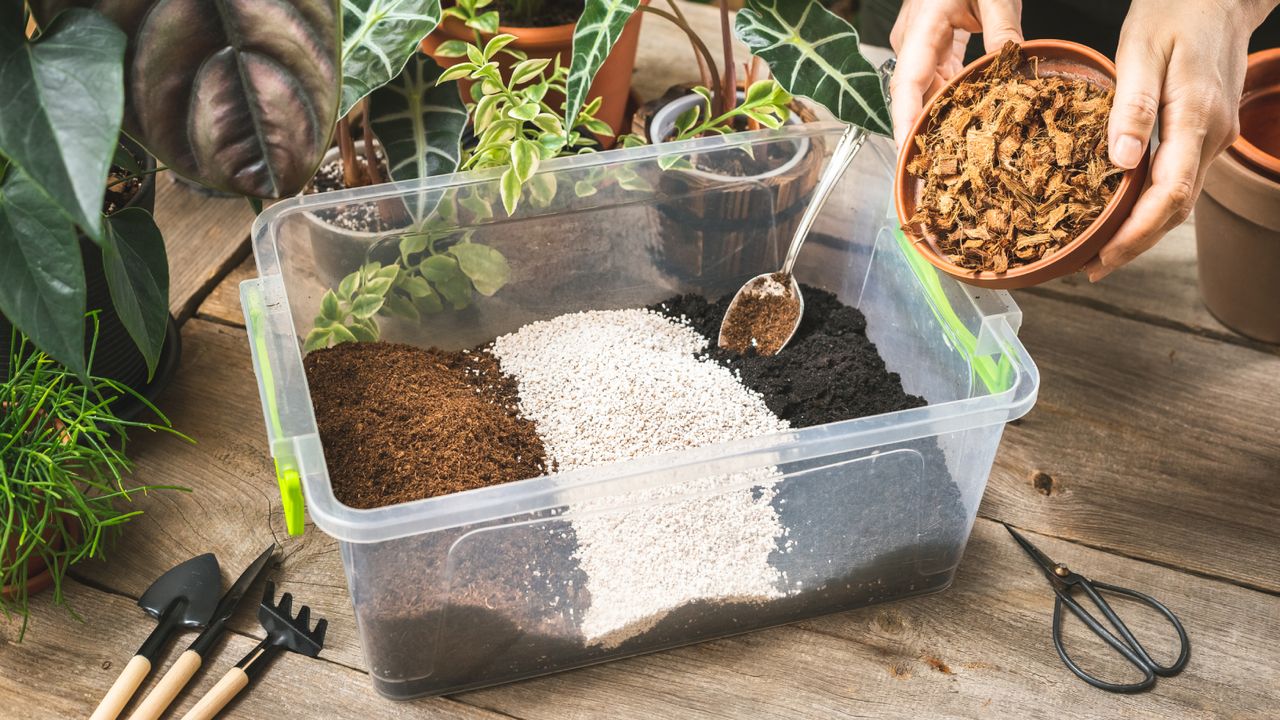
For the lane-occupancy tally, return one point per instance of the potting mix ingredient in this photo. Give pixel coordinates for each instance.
(399, 423)
(1014, 164)
(761, 320)
(830, 371)
(615, 385)
(359, 217)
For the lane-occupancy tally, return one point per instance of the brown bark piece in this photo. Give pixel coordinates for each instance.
(1014, 164)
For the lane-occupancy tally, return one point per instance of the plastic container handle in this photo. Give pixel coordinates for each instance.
(288, 478)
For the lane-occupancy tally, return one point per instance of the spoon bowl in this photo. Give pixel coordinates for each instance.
(766, 311)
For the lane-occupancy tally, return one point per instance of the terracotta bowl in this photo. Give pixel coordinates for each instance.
(1056, 57)
(1258, 147)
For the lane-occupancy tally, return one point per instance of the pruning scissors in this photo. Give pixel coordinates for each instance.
(1063, 581)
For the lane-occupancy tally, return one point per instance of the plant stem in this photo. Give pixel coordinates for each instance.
(351, 175)
(694, 40)
(371, 166)
(730, 85)
(703, 70)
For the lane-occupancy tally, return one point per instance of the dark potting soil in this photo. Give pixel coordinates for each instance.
(538, 13)
(399, 423)
(121, 187)
(362, 217)
(830, 371)
(741, 164)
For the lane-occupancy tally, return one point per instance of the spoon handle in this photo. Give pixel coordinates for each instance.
(850, 141)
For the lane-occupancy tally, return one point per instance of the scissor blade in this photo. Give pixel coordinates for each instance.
(1041, 559)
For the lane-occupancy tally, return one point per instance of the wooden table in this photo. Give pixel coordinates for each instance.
(1152, 460)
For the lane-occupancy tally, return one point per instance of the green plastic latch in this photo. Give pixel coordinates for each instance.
(287, 476)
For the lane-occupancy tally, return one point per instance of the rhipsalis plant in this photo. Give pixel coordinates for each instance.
(62, 468)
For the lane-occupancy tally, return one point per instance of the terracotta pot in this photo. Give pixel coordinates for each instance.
(612, 82)
(39, 575)
(709, 231)
(1056, 57)
(1258, 147)
(1238, 248)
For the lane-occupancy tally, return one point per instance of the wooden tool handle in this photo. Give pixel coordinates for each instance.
(176, 678)
(123, 689)
(217, 698)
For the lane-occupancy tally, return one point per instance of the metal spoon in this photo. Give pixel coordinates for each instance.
(771, 284)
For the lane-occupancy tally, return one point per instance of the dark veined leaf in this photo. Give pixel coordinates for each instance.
(42, 287)
(378, 38)
(419, 123)
(597, 30)
(486, 267)
(814, 52)
(239, 95)
(138, 276)
(61, 101)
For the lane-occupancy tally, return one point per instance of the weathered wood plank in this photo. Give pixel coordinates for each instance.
(223, 304)
(205, 238)
(1152, 442)
(980, 649)
(63, 668)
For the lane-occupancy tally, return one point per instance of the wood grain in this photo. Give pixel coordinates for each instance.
(223, 304)
(204, 236)
(1151, 442)
(64, 666)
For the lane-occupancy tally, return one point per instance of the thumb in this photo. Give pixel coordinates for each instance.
(1137, 102)
(1001, 22)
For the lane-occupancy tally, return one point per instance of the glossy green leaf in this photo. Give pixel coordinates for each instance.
(138, 277)
(400, 306)
(451, 49)
(428, 304)
(446, 275)
(525, 158)
(814, 52)
(317, 338)
(510, 187)
(239, 95)
(61, 102)
(365, 306)
(597, 30)
(378, 38)
(486, 267)
(42, 287)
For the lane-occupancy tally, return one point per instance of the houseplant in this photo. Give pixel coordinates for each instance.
(62, 468)
(206, 109)
(542, 29)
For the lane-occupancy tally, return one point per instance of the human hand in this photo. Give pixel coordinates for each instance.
(1182, 62)
(929, 38)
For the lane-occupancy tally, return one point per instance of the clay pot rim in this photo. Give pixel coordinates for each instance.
(1044, 269)
(544, 37)
(1250, 155)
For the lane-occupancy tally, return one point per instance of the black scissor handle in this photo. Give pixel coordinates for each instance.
(1128, 647)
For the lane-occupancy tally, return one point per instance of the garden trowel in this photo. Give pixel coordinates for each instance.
(184, 597)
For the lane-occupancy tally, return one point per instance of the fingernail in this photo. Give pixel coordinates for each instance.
(1126, 152)
(1098, 272)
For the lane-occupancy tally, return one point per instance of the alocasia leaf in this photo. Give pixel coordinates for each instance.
(138, 276)
(42, 287)
(239, 95)
(814, 52)
(61, 100)
(419, 123)
(378, 38)
(597, 30)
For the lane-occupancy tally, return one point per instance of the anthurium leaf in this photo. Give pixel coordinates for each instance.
(61, 101)
(814, 52)
(486, 267)
(42, 287)
(239, 95)
(598, 28)
(138, 277)
(378, 38)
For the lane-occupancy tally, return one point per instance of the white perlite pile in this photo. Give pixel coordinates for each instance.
(614, 385)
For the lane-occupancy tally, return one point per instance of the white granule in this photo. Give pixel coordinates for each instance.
(615, 385)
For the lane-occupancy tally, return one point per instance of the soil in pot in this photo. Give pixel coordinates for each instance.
(360, 217)
(442, 609)
(1015, 166)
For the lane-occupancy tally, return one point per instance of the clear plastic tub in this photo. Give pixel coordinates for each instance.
(482, 587)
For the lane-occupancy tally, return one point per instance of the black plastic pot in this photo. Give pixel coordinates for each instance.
(116, 357)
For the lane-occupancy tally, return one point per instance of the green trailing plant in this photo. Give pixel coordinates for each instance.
(62, 469)
(473, 14)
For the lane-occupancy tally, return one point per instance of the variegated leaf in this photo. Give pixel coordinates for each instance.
(597, 30)
(378, 38)
(815, 53)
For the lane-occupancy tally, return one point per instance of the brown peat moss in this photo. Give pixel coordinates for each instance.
(1014, 165)
(763, 317)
